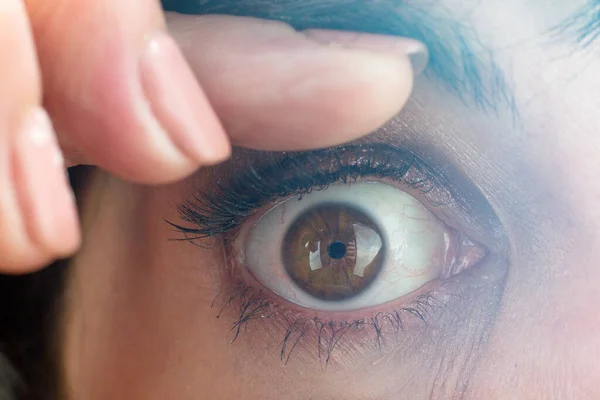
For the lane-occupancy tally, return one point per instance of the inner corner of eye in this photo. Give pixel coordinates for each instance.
(354, 246)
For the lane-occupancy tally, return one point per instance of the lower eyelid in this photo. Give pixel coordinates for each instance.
(443, 303)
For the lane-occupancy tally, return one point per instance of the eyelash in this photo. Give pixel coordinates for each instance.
(223, 211)
(254, 305)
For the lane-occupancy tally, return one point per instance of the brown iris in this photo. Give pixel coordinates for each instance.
(333, 251)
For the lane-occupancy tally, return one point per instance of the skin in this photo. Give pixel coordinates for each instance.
(137, 321)
(131, 105)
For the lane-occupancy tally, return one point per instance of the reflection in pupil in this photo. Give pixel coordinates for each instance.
(336, 250)
(333, 251)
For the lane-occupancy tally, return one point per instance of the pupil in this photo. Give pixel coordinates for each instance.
(336, 250)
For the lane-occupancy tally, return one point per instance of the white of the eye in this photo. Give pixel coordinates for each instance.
(415, 243)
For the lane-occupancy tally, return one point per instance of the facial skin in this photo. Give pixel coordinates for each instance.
(139, 321)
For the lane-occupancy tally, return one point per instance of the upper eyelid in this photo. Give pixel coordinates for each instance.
(229, 196)
(224, 209)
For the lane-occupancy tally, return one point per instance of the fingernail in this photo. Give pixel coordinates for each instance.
(419, 59)
(179, 103)
(415, 50)
(44, 192)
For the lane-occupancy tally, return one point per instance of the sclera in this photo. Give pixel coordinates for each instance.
(416, 243)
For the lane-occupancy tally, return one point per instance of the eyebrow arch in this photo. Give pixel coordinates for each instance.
(583, 26)
(458, 59)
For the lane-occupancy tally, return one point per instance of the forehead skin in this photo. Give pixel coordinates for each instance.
(536, 158)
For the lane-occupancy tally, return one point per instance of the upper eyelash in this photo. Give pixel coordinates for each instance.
(225, 207)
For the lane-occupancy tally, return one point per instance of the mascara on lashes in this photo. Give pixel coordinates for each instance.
(227, 205)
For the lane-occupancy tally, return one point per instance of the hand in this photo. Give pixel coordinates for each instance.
(101, 82)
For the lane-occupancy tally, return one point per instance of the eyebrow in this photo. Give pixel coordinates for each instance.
(458, 59)
(583, 26)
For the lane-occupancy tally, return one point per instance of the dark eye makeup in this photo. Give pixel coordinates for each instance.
(245, 190)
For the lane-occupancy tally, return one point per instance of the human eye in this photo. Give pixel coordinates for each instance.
(347, 245)
(352, 246)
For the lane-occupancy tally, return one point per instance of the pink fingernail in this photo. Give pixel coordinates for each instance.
(179, 103)
(415, 50)
(44, 192)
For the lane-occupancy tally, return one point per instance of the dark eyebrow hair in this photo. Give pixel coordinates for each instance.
(583, 26)
(458, 59)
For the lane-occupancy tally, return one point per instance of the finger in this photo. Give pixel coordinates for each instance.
(37, 215)
(278, 89)
(120, 92)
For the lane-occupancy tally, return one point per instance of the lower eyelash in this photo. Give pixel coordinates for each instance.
(443, 306)
(327, 334)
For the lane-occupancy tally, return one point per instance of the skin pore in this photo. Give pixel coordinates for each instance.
(139, 317)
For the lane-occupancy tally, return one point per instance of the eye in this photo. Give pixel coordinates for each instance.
(352, 246)
(321, 244)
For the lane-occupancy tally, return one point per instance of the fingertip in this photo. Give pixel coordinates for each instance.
(328, 97)
(179, 103)
(381, 86)
(278, 89)
(45, 198)
(128, 104)
(165, 128)
(383, 44)
(29, 258)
